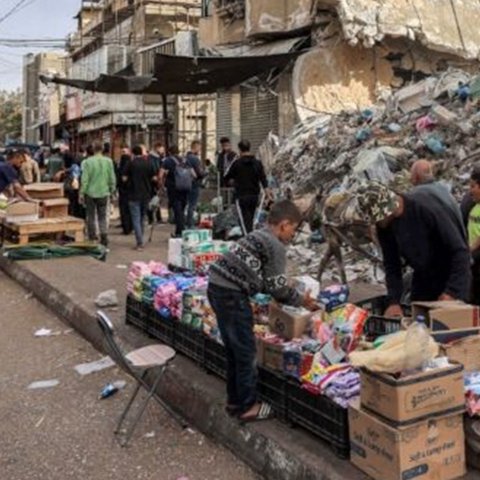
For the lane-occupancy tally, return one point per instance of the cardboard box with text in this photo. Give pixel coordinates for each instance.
(403, 401)
(433, 449)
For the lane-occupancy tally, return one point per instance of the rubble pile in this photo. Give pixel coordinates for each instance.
(436, 118)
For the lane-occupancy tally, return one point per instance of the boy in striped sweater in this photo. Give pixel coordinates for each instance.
(255, 264)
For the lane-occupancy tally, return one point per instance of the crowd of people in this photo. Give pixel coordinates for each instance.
(139, 179)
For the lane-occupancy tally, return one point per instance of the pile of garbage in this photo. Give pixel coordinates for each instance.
(436, 118)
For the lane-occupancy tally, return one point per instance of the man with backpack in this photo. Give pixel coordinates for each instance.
(248, 177)
(177, 176)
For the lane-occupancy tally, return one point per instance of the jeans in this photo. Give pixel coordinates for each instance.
(193, 196)
(97, 209)
(248, 205)
(138, 210)
(235, 322)
(179, 202)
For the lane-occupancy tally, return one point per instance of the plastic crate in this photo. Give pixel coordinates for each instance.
(375, 305)
(162, 328)
(190, 342)
(320, 416)
(215, 358)
(272, 388)
(376, 326)
(137, 314)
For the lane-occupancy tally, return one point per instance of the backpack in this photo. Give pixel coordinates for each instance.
(184, 175)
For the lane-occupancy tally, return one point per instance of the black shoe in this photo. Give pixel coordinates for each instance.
(104, 240)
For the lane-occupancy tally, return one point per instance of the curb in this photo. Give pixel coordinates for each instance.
(273, 450)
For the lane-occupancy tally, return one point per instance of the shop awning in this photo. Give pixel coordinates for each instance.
(184, 75)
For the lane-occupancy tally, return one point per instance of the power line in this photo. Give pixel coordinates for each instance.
(15, 8)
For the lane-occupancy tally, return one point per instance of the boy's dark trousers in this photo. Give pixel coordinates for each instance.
(235, 322)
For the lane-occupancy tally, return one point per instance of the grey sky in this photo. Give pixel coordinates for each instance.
(39, 19)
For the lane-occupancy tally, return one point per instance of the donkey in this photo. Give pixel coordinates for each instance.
(341, 224)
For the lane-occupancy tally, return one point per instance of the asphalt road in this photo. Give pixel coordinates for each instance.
(66, 432)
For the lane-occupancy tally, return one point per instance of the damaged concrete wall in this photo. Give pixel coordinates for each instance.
(276, 17)
(336, 76)
(341, 77)
(442, 25)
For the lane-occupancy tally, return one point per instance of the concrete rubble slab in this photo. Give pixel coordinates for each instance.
(442, 26)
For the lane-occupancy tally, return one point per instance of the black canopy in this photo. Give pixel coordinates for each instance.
(183, 75)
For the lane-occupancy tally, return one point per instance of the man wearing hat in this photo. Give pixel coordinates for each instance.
(416, 230)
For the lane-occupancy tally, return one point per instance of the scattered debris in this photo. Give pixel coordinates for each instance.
(149, 435)
(96, 366)
(107, 299)
(111, 389)
(43, 384)
(46, 332)
(122, 267)
(40, 422)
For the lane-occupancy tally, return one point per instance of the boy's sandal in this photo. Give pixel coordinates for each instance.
(265, 412)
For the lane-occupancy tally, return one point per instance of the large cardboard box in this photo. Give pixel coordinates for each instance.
(433, 449)
(44, 191)
(403, 401)
(55, 208)
(19, 211)
(447, 315)
(465, 351)
(287, 325)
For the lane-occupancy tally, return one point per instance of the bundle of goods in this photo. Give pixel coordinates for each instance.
(196, 250)
(313, 347)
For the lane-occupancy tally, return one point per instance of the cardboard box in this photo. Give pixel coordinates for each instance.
(55, 208)
(447, 315)
(285, 324)
(433, 449)
(21, 211)
(45, 190)
(465, 351)
(407, 400)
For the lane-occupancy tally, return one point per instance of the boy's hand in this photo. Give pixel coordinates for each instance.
(309, 302)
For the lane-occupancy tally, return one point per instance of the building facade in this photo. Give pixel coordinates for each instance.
(41, 103)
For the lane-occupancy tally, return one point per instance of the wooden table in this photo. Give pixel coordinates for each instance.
(24, 230)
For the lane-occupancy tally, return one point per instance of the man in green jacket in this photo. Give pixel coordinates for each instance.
(98, 184)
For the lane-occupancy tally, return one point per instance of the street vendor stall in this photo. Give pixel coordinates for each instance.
(360, 381)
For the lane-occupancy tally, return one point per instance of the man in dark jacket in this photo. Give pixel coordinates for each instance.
(225, 159)
(417, 229)
(193, 159)
(138, 176)
(248, 177)
(156, 157)
(125, 218)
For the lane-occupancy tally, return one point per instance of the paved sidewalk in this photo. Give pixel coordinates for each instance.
(69, 287)
(65, 432)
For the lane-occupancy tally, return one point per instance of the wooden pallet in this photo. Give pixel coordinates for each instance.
(25, 230)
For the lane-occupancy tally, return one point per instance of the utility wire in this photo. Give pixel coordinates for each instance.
(14, 9)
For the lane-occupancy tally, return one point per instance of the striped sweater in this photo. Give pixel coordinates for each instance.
(256, 264)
